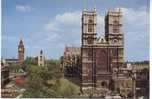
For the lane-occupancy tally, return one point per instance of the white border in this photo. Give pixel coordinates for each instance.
(150, 68)
(0, 40)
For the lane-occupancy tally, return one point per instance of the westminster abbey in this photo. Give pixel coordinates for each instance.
(101, 68)
(102, 58)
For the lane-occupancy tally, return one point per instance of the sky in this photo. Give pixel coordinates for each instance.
(51, 25)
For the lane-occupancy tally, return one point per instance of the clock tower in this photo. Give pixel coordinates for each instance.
(21, 52)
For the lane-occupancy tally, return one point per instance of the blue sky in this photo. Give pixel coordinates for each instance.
(52, 24)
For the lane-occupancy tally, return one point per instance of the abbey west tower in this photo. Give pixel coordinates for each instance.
(101, 57)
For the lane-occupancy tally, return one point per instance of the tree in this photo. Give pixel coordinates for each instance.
(14, 68)
(30, 61)
(47, 82)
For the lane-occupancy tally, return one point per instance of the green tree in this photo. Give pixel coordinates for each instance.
(46, 82)
(30, 61)
(14, 68)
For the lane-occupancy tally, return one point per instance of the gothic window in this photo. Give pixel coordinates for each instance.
(90, 26)
(104, 84)
(114, 52)
(120, 52)
(115, 22)
(90, 40)
(101, 60)
(115, 26)
(115, 29)
(89, 55)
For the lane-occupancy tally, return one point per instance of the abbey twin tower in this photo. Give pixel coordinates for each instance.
(101, 57)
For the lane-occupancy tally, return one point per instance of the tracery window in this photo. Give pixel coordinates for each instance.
(90, 40)
(115, 26)
(90, 26)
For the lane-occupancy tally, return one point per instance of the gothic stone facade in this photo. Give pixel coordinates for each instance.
(102, 58)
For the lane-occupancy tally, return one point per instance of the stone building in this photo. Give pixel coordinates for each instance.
(41, 59)
(71, 61)
(103, 68)
(11, 61)
(100, 60)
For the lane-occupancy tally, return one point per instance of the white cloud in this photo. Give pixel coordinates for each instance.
(136, 31)
(54, 37)
(23, 8)
(136, 17)
(72, 22)
(136, 21)
(51, 26)
(67, 19)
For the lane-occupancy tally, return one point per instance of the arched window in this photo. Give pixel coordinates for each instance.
(115, 26)
(104, 84)
(90, 40)
(90, 26)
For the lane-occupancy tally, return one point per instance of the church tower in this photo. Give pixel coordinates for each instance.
(89, 22)
(21, 52)
(41, 59)
(115, 38)
(113, 27)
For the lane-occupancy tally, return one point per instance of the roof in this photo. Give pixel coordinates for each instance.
(101, 40)
(11, 59)
(21, 43)
(72, 51)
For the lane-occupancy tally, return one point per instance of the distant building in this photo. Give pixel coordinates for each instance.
(71, 61)
(20, 59)
(11, 61)
(41, 59)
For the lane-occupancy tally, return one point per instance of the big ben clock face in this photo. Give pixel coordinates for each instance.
(20, 49)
